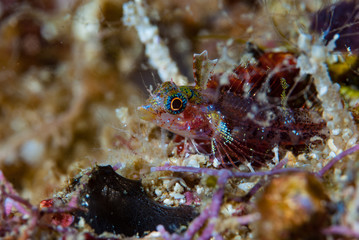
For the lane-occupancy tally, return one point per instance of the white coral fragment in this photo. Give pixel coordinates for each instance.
(337, 117)
(135, 15)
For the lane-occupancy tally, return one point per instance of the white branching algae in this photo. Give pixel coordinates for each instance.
(135, 15)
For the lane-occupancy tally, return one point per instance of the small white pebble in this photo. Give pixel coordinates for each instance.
(158, 192)
(302, 157)
(352, 141)
(176, 195)
(178, 188)
(331, 145)
(34, 86)
(228, 210)
(199, 190)
(216, 163)
(332, 154)
(167, 183)
(168, 201)
(81, 223)
(336, 131)
(49, 31)
(314, 156)
(195, 160)
(246, 186)
(154, 235)
(192, 163)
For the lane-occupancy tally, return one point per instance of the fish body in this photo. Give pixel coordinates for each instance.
(261, 106)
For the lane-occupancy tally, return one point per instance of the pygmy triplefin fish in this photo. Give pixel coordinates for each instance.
(257, 107)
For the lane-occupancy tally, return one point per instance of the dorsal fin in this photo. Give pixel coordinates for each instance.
(202, 69)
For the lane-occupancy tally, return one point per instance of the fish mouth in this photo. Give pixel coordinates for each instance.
(147, 113)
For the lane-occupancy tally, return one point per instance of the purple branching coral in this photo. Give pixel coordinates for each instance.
(211, 212)
(341, 231)
(24, 220)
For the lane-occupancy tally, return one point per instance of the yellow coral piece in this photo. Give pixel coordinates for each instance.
(342, 67)
(349, 92)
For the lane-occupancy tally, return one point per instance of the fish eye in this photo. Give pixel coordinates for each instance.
(175, 103)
